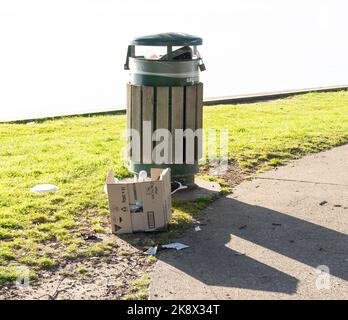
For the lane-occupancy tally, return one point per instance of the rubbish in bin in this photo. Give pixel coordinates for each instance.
(151, 251)
(152, 56)
(175, 245)
(184, 53)
(41, 188)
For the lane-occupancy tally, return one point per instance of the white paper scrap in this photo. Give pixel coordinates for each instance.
(151, 251)
(175, 245)
(44, 188)
(198, 228)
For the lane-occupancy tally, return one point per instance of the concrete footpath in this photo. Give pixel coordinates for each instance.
(267, 239)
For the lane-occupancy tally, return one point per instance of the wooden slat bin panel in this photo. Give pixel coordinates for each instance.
(163, 107)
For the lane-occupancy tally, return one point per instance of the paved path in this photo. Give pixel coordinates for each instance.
(266, 240)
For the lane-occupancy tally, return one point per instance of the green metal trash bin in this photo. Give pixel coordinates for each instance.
(164, 92)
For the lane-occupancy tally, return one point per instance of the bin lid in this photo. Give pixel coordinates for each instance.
(167, 39)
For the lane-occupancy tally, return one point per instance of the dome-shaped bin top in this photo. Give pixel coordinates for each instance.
(167, 39)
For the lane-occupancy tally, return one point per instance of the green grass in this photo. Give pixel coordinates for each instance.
(138, 290)
(269, 133)
(75, 154)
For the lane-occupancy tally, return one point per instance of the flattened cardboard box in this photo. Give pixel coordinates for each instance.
(140, 206)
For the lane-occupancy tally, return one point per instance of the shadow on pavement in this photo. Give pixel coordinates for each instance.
(210, 261)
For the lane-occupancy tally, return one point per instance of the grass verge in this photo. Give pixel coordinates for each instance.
(74, 153)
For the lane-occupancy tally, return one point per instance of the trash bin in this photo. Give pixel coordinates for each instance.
(164, 92)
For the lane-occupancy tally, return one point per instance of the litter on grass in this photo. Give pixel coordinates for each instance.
(175, 245)
(90, 235)
(41, 188)
(176, 186)
(151, 251)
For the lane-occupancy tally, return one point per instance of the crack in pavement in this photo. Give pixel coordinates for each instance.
(301, 181)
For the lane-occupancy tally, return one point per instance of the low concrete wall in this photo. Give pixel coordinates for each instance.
(249, 98)
(255, 97)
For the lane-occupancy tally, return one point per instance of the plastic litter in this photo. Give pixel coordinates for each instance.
(41, 188)
(142, 176)
(198, 228)
(175, 245)
(176, 185)
(151, 251)
(90, 235)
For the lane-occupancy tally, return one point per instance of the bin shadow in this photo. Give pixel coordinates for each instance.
(212, 262)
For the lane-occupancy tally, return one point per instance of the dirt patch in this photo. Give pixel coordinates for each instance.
(231, 177)
(235, 175)
(99, 277)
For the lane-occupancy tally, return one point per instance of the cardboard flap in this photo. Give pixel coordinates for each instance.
(167, 197)
(110, 179)
(155, 173)
(159, 173)
(165, 174)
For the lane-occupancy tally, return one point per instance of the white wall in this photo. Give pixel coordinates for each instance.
(67, 56)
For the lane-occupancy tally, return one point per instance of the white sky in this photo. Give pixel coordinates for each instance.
(67, 56)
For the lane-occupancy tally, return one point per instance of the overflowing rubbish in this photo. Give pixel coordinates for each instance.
(184, 53)
(175, 245)
(41, 188)
(151, 251)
